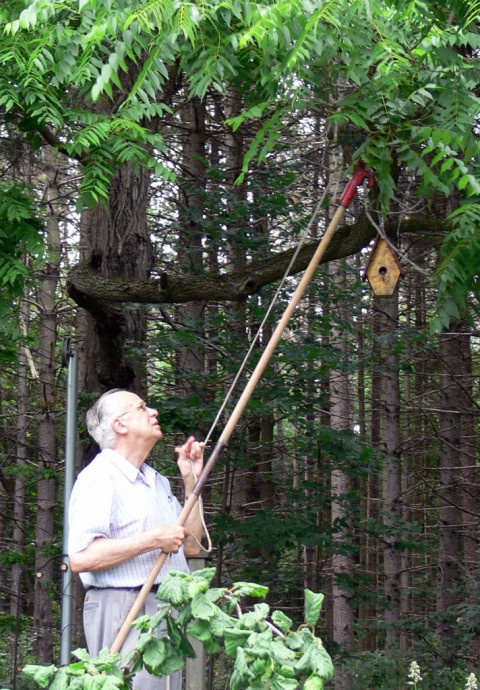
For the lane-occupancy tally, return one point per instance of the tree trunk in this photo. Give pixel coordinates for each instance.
(18, 595)
(341, 487)
(417, 435)
(47, 484)
(341, 416)
(190, 358)
(469, 486)
(470, 500)
(449, 556)
(237, 315)
(19, 495)
(119, 247)
(390, 399)
(311, 553)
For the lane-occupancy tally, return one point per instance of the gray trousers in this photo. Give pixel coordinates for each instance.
(104, 613)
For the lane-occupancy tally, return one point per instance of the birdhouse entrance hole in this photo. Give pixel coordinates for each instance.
(383, 270)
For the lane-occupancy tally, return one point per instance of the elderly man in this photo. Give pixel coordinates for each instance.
(122, 513)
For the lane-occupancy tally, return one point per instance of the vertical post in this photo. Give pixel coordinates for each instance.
(70, 360)
(195, 670)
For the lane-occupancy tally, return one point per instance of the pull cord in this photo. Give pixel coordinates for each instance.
(267, 313)
(209, 547)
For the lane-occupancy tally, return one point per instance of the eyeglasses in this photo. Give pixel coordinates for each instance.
(142, 407)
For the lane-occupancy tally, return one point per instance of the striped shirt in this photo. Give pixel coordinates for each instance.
(112, 498)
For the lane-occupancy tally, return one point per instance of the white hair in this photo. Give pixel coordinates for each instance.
(99, 419)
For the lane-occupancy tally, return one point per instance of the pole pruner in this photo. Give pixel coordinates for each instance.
(360, 174)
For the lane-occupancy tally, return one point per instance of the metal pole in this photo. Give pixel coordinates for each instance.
(71, 361)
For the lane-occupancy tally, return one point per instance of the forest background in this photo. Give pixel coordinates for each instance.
(159, 163)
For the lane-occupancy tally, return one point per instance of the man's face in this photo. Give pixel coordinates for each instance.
(140, 420)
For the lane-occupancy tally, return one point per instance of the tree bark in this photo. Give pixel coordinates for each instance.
(47, 484)
(470, 503)
(190, 358)
(390, 402)
(449, 556)
(470, 500)
(21, 457)
(341, 487)
(120, 252)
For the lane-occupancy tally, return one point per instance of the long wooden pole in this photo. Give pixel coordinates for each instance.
(359, 175)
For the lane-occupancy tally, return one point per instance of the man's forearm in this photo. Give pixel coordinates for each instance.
(105, 553)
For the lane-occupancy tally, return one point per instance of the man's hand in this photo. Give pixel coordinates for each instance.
(169, 538)
(190, 461)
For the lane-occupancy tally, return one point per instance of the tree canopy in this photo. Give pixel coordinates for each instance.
(397, 83)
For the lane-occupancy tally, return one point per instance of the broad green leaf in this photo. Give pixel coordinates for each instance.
(216, 593)
(234, 639)
(282, 621)
(260, 644)
(279, 682)
(174, 661)
(173, 590)
(196, 587)
(159, 617)
(252, 618)
(281, 653)
(96, 682)
(204, 575)
(287, 671)
(111, 683)
(142, 623)
(200, 629)
(295, 641)
(174, 632)
(313, 607)
(154, 655)
(203, 608)
(178, 639)
(315, 659)
(62, 679)
(314, 682)
(144, 639)
(221, 622)
(81, 654)
(42, 675)
(241, 673)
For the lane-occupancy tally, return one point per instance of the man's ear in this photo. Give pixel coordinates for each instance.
(119, 427)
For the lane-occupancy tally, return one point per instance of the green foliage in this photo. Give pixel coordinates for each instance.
(391, 671)
(399, 79)
(20, 236)
(8, 624)
(21, 246)
(457, 274)
(264, 648)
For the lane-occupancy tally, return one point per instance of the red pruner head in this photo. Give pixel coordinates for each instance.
(361, 173)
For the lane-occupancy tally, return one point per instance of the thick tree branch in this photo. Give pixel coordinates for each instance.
(97, 294)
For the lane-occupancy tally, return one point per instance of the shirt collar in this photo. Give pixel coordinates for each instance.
(132, 473)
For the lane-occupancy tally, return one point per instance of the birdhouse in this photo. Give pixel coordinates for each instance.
(383, 270)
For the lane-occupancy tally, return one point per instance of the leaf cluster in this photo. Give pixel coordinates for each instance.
(21, 244)
(265, 649)
(401, 80)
